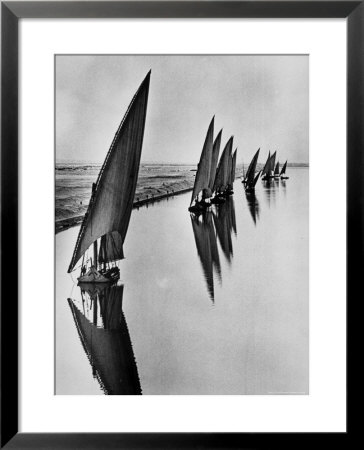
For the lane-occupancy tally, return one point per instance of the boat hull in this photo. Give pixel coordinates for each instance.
(94, 276)
(218, 199)
(197, 209)
(92, 279)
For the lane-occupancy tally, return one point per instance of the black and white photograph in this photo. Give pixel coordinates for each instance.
(181, 224)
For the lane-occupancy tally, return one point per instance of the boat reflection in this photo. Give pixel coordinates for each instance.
(225, 223)
(104, 336)
(270, 188)
(284, 187)
(206, 244)
(253, 205)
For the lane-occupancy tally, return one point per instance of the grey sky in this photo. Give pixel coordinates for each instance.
(261, 100)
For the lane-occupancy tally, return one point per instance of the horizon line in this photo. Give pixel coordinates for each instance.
(79, 161)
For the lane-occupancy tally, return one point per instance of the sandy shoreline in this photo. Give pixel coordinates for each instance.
(149, 190)
(152, 195)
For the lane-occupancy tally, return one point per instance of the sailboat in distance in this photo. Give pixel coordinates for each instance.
(214, 160)
(251, 178)
(107, 218)
(276, 171)
(201, 191)
(272, 165)
(223, 174)
(265, 171)
(268, 170)
(283, 172)
(230, 188)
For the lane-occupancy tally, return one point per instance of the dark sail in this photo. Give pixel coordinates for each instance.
(256, 179)
(233, 168)
(111, 248)
(250, 174)
(203, 169)
(214, 159)
(107, 345)
(112, 198)
(272, 163)
(222, 173)
(276, 170)
(266, 167)
(283, 171)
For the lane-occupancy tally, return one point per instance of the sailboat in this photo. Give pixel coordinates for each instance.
(272, 165)
(251, 177)
(223, 173)
(265, 171)
(107, 218)
(201, 192)
(268, 170)
(276, 171)
(214, 160)
(283, 172)
(231, 180)
(105, 338)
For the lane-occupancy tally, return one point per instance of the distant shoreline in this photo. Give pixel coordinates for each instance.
(151, 163)
(147, 194)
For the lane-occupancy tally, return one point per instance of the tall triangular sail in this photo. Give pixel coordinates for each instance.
(256, 179)
(214, 159)
(233, 167)
(112, 199)
(276, 170)
(266, 167)
(203, 169)
(222, 172)
(283, 171)
(250, 174)
(272, 163)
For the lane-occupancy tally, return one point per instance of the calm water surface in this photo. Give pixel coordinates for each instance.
(217, 305)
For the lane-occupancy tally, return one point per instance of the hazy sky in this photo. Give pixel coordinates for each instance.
(261, 100)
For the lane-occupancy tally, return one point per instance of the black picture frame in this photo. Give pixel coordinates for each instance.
(11, 12)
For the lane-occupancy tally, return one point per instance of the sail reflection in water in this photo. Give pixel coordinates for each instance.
(104, 335)
(253, 205)
(225, 223)
(206, 227)
(270, 188)
(206, 244)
